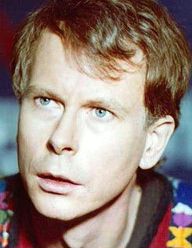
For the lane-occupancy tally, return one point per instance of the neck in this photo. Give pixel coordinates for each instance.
(109, 227)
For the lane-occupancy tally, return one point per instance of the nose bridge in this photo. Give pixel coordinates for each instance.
(63, 137)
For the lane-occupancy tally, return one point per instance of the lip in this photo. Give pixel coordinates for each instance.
(56, 184)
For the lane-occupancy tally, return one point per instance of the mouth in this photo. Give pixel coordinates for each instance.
(56, 184)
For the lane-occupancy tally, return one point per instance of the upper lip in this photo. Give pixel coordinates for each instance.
(48, 175)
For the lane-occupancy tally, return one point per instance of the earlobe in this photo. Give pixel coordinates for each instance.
(158, 135)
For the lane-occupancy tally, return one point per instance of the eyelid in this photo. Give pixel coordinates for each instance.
(98, 106)
(106, 118)
(52, 101)
(48, 96)
(44, 96)
(36, 93)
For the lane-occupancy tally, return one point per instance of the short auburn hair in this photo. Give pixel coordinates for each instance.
(108, 31)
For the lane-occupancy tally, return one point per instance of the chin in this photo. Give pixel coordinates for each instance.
(57, 208)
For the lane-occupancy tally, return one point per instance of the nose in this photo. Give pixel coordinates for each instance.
(63, 139)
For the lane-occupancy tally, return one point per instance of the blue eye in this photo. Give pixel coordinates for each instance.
(100, 112)
(44, 101)
(102, 115)
(48, 105)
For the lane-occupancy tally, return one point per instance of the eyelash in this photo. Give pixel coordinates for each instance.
(44, 99)
(108, 114)
(38, 100)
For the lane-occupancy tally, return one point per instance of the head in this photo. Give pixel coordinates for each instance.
(100, 84)
(107, 32)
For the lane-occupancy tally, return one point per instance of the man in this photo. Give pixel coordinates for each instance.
(99, 85)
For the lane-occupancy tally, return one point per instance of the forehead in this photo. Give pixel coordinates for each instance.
(53, 67)
(90, 61)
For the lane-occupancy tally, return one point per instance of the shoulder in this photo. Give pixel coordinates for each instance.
(7, 186)
(182, 195)
(181, 223)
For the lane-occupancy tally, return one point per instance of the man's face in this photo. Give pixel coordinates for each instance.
(80, 139)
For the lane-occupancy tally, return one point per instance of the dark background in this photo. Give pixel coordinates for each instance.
(12, 12)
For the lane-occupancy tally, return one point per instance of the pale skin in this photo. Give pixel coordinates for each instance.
(93, 133)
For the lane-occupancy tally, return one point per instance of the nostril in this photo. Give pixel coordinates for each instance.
(59, 149)
(68, 149)
(50, 147)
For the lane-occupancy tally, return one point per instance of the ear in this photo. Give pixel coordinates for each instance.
(158, 135)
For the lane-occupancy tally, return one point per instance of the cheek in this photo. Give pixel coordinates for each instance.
(33, 133)
(111, 163)
(31, 140)
(113, 154)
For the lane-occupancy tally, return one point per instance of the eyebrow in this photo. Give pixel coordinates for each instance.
(109, 104)
(33, 90)
(100, 102)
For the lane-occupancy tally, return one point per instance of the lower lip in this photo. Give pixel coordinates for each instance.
(56, 187)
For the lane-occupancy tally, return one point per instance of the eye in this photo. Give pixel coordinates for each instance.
(46, 102)
(102, 114)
